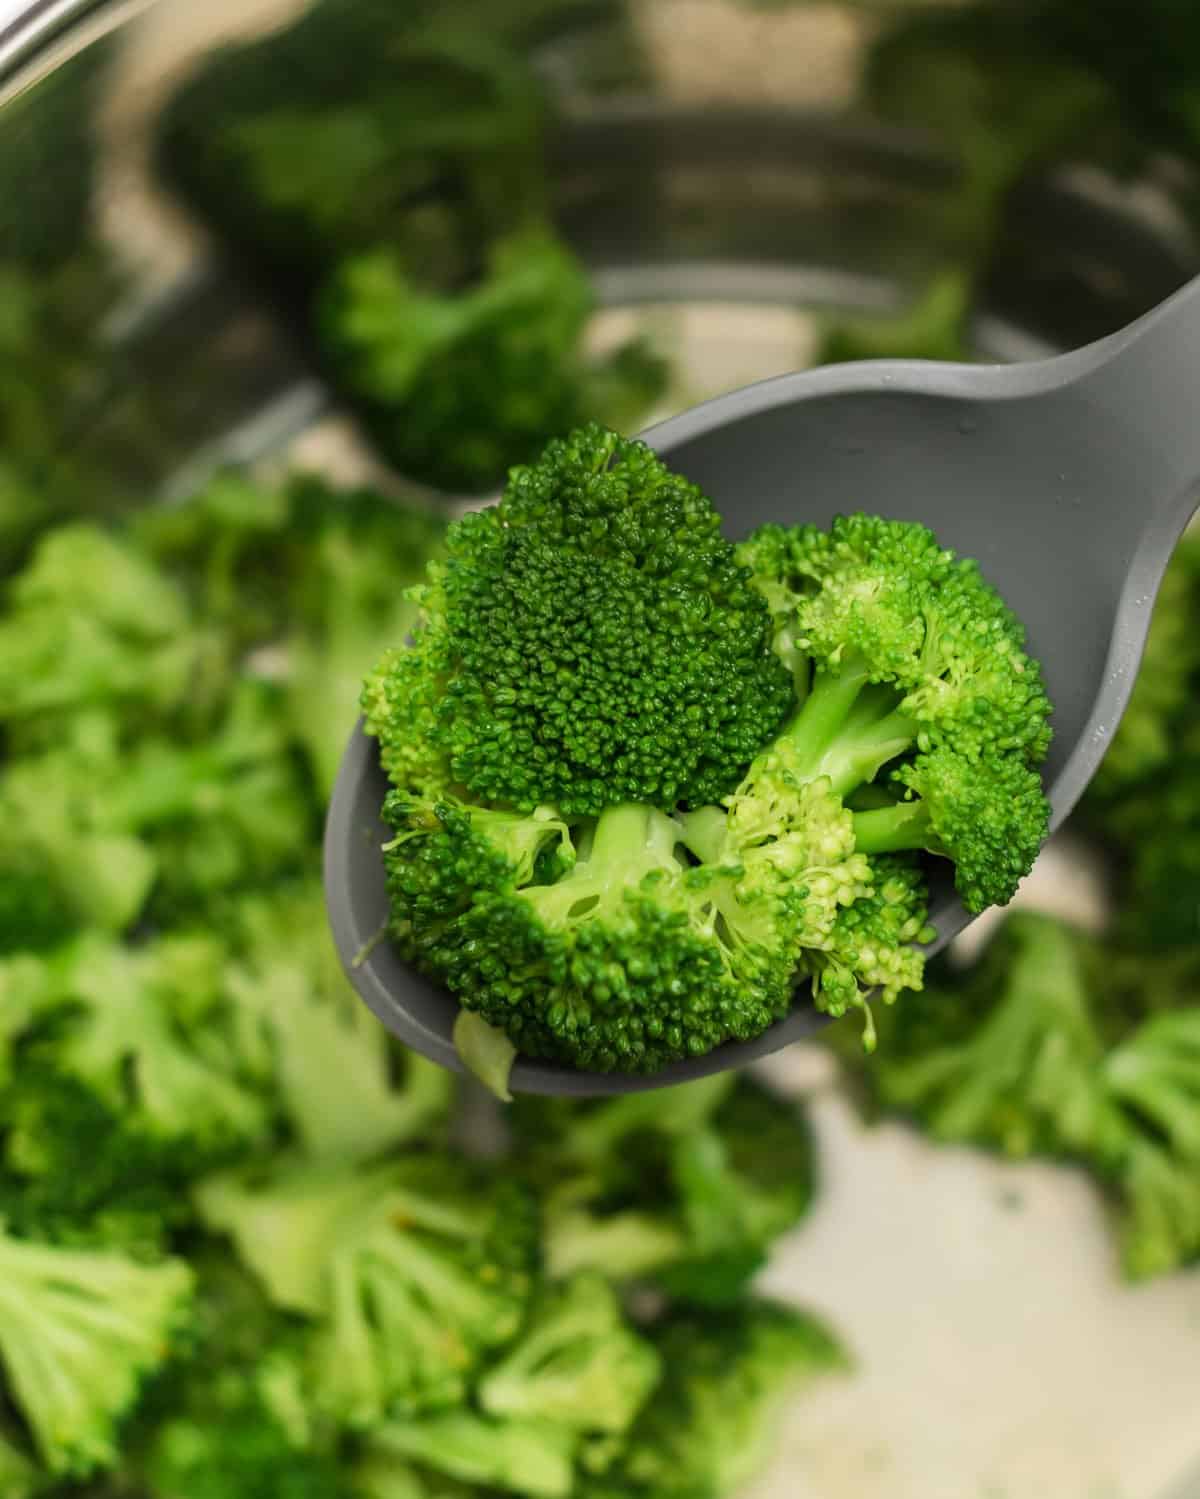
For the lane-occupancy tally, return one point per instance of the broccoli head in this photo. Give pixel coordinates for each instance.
(418, 1267)
(79, 1331)
(709, 1427)
(591, 640)
(529, 1458)
(578, 1363)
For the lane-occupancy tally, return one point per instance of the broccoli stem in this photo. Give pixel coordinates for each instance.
(893, 830)
(847, 729)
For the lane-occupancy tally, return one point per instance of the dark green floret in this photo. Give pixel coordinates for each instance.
(590, 640)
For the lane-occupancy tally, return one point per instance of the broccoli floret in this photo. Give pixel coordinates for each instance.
(231, 809)
(688, 1189)
(908, 656)
(345, 1090)
(589, 641)
(653, 933)
(458, 388)
(578, 1363)
(709, 1427)
(88, 872)
(533, 1458)
(1153, 1077)
(115, 1033)
(79, 1331)
(1008, 1056)
(357, 554)
(91, 623)
(418, 1267)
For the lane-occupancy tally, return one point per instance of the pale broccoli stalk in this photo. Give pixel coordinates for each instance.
(79, 1331)
(343, 1089)
(579, 1363)
(532, 1458)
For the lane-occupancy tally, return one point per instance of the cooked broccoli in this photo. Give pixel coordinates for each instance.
(589, 641)
(1010, 1054)
(542, 866)
(418, 1267)
(90, 622)
(458, 388)
(355, 555)
(79, 1331)
(299, 1028)
(688, 1189)
(708, 1429)
(578, 1363)
(532, 1458)
(118, 1036)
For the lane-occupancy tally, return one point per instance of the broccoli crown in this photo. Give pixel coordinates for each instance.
(688, 1191)
(577, 1364)
(79, 1330)
(1010, 1055)
(594, 642)
(417, 1268)
(622, 963)
(708, 1428)
(914, 664)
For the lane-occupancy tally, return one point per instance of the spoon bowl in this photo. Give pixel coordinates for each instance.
(1069, 480)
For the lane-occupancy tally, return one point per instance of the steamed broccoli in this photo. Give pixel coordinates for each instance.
(578, 1364)
(533, 1458)
(1009, 1055)
(688, 1189)
(418, 1267)
(19, 1479)
(708, 1429)
(622, 829)
(634, 662)
(457, 388)
(300, 1030)
(79, 1330)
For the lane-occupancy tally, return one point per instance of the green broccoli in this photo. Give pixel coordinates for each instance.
(935, 327)
(356, 553)
(636, 662)
(578, 1363)
(688, 1189)
(458, 388)
(542, 866)
(533, 1458)
(418, 1267)
(1153, 1167)
(708, 1429)
(1010, 1054)
(79, 1331)
(90, 623)
(115, 1034)
(300, 1030)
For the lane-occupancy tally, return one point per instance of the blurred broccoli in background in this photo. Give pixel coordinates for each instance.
(397, 213)
(241, 1251)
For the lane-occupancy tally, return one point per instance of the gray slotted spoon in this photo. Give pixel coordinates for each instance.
(1069, 480)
